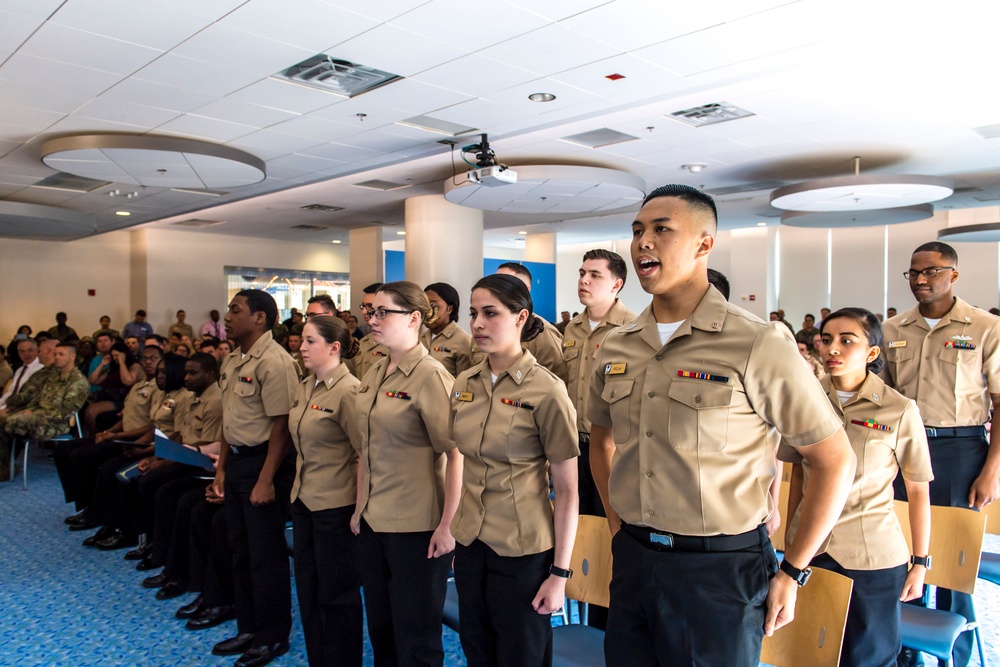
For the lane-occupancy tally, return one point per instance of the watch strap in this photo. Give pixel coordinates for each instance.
(560, 572)
(921, 560)
(798, 576)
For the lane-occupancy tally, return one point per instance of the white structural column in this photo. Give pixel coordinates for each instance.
(540, 247)
(367, 263)
(444, 244)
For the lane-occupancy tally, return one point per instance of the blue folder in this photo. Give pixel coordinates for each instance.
(174, 451)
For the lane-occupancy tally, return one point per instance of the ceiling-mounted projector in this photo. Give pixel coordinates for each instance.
(486, 170)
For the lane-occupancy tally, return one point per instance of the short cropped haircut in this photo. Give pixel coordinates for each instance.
(519, 269)
(615, 262)
(721, 283)
(206, 362)
(68, 345)
(259, 301)
(326, 301)
(373, 288)
(141, 312)
(949, 254)
(691, 196)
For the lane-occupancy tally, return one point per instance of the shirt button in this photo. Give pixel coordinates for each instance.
(611, 395)
(697, 399)
(658, 357)
(924, 379)
(649, 434)
(649, 473)
(650, 512)
(651, 394)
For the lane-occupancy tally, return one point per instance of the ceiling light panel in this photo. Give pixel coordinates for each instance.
(597, 138)
(384, 186)
(437, 126)
(337, 76)
(709, 114)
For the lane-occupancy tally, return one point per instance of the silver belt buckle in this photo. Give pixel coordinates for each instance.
(931, 432)
(665, 540)
(233, 449)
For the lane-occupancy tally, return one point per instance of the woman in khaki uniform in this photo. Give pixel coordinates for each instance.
(325, 433)
(867, 543)
(514, 423)
(409, 478)
(444, 339)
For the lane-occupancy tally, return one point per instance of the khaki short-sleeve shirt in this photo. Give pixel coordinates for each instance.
(202, 420)
(509, 432)
(369, 353)
(580, 347)
(887, 437)
(452, 347)
(692, 420)
(949, 371)
(136, 413)
(404, 425)
(325, 432)
(167, 410)
(256, 388)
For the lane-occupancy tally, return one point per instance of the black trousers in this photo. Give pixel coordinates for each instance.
(111, 499)
(261, 582)
(957, 463)
(211, 556)
(171, 525)
(78, 462)
(497, 624)
(872, 635)
(142, 494)
(328, 585)
(684, 609)
(404, 597)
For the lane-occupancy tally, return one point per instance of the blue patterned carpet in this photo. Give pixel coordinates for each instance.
(67, 605)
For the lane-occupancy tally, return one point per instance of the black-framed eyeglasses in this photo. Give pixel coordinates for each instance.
(929, 272)
(382, 313)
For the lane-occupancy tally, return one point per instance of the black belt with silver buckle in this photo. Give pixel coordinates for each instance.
(584, 438)
(955, 432)
(243, 450)
(660, 541)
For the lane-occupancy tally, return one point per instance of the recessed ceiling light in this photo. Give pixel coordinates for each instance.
(694, 167)
(541, 97)
(335, 241)
(123, 213)
(522, 233)
(400, 233)
(762, 224)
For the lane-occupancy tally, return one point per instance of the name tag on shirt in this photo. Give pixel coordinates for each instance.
(897, 343)
(614, 369)
(569, 343)
(465, 396)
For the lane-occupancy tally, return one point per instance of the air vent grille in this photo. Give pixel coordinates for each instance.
(597, 138)
(63, 181)
(709, 114)
(309, 228)
(195, 223)
(340, 77)
(322, 208)
(384, 186)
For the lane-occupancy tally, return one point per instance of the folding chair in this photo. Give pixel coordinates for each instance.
(75, 431)
(956, 545)
(816, 634)
(989, 564)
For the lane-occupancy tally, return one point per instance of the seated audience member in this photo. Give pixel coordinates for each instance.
(814, 364)
(225, 348)
(213, 327)
(132, 343)
(564, 320)
(61, 331)
(209, 346)
(105, 328)
(103, 342)
(85, 353)
(182, 350)
(181, 327)
(807, 332)
(823, 314)
(77, 461)
(47, 413)
(546, 348)
(27, 353)
(47, 356)
(115, 374)
(6, 372)
(353, 328)
(719, 281)
(891, 312)
(138, 327)
(23, 332)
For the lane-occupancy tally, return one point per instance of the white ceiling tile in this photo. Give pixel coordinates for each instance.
(285, 96)
(317, 26)
(315, 128)
(375, 115)
(640, 77)
(340, 152)
(77, 124)
(157, 95)
(475, 74)
(252, 54)
(236, 111)
(647, 23)
(516, 97)
(32, 120)
(502, 21)
(410, 52)
(411, 96)
(274, 141)
(125, 112)
(22, 68)
(156, 25)
(16, 28)
(379, 140)
(205, 128)
(37, 9)
(41, 97)
(173, 70)
(301, 163)
(551, 49)
(558, 10)
(480, 113)
(383, 10)
(85, 49)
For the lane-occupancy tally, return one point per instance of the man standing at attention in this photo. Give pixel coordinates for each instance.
(254, 476)
(945, 355)
(181, 327)
(683, 405)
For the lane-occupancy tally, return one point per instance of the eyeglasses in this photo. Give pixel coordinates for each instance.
(928, 273)
(382, 313)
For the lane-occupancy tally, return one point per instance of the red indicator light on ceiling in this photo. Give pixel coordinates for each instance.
(614, 77)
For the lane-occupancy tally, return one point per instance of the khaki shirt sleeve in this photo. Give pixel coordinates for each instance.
(434, 406)
(211, 425)
(912, 451)
(991, 359)
(349, 416)
(278, 385)
(788, 453)
(547, 350)
(556, 420)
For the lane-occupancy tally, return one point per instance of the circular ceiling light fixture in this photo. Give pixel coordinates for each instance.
(154, 161)
(861, 192)
(694, 167)
(988, 232)
(865, 218)
(541, 97)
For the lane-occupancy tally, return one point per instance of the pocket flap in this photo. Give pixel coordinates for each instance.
(616, 390)
(700, 395)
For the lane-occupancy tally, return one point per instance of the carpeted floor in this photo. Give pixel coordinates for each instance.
(65, 605)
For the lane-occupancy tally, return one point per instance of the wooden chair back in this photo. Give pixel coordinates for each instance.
(956, 545)
(992, 512)
(816, 634)
(591, 562)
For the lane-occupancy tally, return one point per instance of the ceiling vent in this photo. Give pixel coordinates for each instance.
(384, 186)
(202, 192)
(597, 138)
(322, 208)
(709, 114)
(195, 223)
(966, 190)
(309, 228)
(987, 198)
(340, 77)
(70, 183)
(436, 125)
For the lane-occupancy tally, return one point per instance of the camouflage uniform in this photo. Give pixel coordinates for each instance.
(53, 399)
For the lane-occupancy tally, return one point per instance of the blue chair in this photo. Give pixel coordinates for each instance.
(76, 431)
(581, 645)
(450, 617)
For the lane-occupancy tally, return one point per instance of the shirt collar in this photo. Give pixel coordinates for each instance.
(336, 376)
(411, 359)
(518, 371)
(872, 389)
(709, 315)
(960, 312)
(259, 345)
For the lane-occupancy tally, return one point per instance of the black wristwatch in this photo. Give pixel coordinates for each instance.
(798, 576)
(559, 572)
(921, 560)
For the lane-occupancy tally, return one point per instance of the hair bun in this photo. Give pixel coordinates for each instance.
(532, 328)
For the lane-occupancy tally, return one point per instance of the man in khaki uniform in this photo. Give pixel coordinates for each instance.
(369, 352)
(255, 473)
(683, 407)
(546, 348)
(181, 327)
(945, 355)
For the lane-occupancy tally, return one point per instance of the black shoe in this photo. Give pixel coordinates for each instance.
(85, 525)
(209, 617)
(146, 564)
(190, 609)
(259, 656)
(909, 657)
(139, 553)
(234, 645)
(172, 589)
(156, 581)
(118, 540)
(79, 517)
(103, 533)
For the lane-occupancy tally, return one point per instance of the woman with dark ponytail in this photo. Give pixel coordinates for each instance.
(888, 438)
(325, 433)
(515, 425)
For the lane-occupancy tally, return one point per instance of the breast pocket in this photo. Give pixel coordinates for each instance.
(698, 416)
(245, 389)
(571, 355)
(615, 394)
(902, 366)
